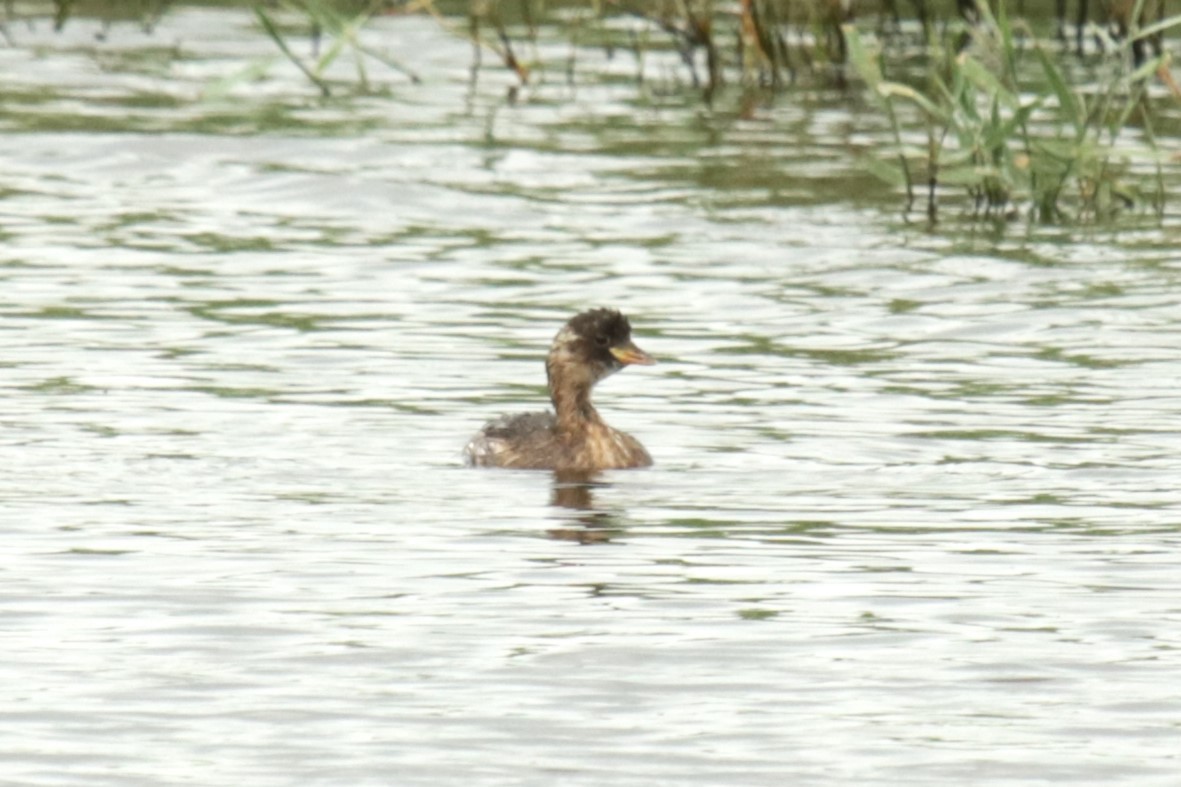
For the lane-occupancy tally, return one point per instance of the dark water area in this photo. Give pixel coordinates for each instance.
(913, 518)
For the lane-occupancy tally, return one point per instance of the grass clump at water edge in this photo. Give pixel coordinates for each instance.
(1060, 151)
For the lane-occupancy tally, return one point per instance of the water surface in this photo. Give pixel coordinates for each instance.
(914, 517)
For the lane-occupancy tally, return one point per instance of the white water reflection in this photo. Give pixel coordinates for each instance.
(913, 518)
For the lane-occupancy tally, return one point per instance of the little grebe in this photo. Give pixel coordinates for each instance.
(591, 346)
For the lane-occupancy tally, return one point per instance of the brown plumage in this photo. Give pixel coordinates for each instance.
(591, 346)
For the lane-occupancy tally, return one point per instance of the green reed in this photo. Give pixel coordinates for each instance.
(1060, 151)
(986, 113)
(341, 26)
(1000, 120)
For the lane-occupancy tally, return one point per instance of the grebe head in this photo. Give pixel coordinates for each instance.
(591, 346)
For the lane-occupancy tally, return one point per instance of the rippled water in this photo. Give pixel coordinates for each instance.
(914, 517)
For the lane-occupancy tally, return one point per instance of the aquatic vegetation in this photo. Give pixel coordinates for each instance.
(341, 27)
(984, 109)
(1063, 151)
(1001, 117)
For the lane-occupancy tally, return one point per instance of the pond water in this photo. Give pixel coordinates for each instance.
(915, 514)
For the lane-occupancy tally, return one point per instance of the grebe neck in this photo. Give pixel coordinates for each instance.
(571, 396)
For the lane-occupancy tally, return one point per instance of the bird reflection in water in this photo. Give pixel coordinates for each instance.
(574, 489)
